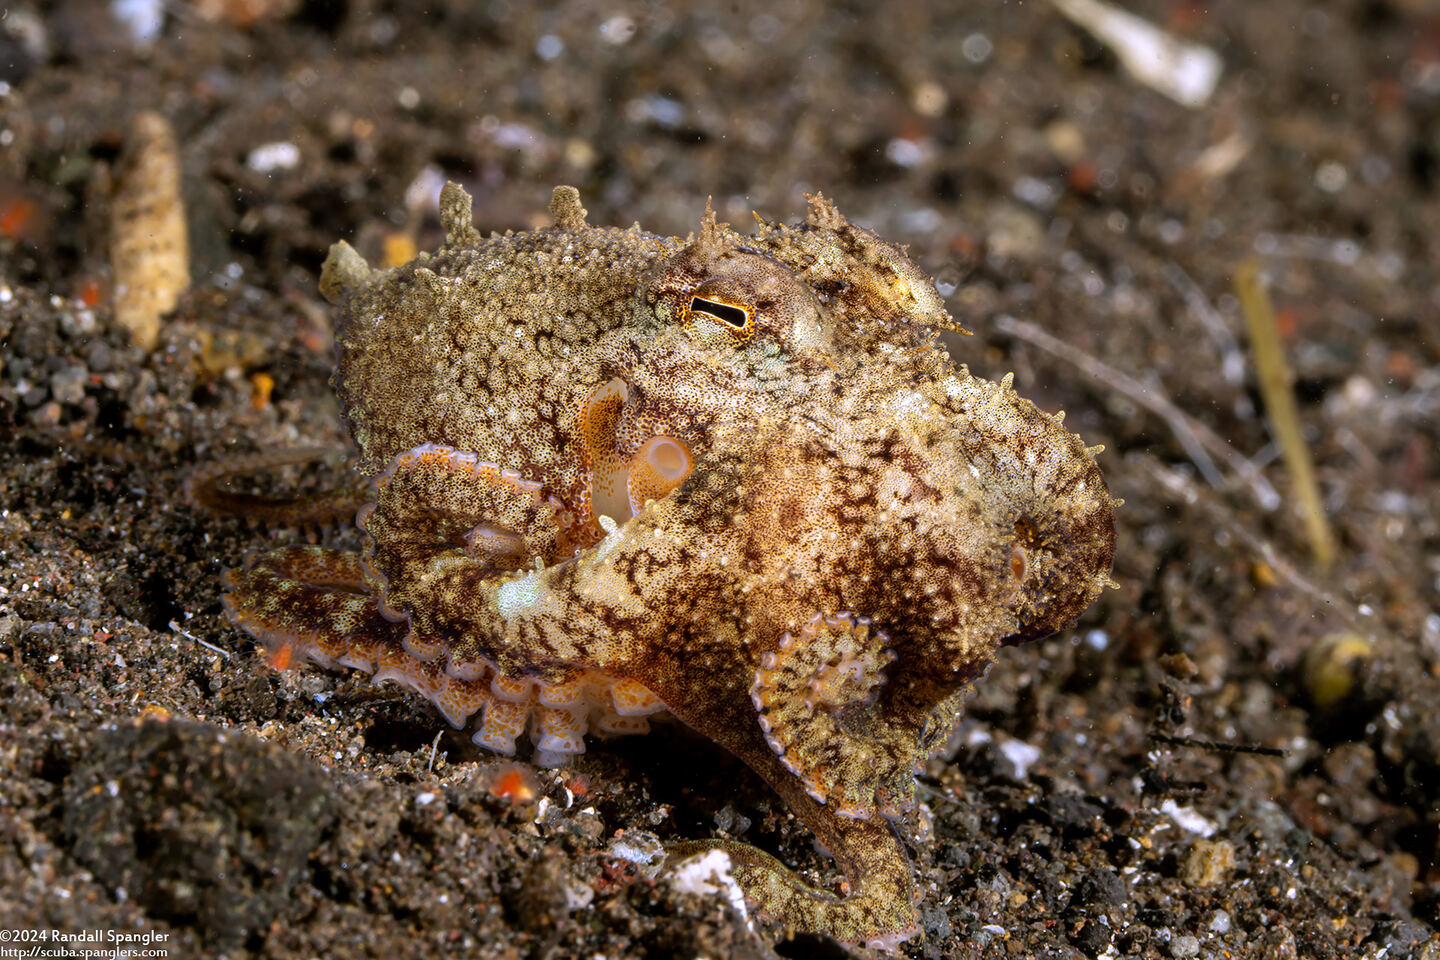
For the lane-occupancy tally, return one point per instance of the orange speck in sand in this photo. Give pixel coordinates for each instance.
(1186, 18)
(1286, 322)
(514, 783)
(261, 385)
(16, 216)
(1400, 364)
(1083, 177)
(91, 293)
(1388, 95)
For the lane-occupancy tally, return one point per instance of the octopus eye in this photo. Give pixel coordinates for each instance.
(726, 313)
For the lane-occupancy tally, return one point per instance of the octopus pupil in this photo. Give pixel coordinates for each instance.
(734, 316)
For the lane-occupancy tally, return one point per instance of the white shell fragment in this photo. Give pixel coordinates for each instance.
(1185, 72)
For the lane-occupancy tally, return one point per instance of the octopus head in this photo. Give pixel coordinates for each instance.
(855, 271)
(724, 295)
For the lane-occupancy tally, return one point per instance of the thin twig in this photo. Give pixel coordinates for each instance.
(1218, 746)
(1274, 377)
(204, 643)
(1194, 436)
(1232, 358)
(434, 745)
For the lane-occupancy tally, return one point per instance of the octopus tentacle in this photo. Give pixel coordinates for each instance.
(876, 904)
(206, 487)
(441, 514)
(433, 499)
(877, 910)
(816, 699)
(572, 615)
(305, 603)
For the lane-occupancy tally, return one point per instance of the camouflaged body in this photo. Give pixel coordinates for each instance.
(732, 476)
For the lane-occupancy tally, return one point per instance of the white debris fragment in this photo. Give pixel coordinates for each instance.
(636, 846)
(617, 30)
(1187, 819)
(144, 20)
(707, 875)
(1185, 72)
(273, 157)
(578, 896)
(1021, 756)
(424, 191)
(149, 243)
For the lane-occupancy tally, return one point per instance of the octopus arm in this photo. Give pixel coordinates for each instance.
(442, 516)
(306, 603)
(208, 487)
(619, 606)
(876, 911)
(876, 906)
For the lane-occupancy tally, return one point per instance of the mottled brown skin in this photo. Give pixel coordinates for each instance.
(860, 527)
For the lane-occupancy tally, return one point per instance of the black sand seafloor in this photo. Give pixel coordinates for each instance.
(1236, 754)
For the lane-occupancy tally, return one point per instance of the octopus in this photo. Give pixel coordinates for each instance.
(733, 479)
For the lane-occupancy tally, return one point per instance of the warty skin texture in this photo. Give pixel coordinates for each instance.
(732, 476)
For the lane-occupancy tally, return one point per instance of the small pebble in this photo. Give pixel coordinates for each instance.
(78, 323)
(1101, 888)
(68, 385)
(1091, 936)
(273, 157)
(1185, 946)
(98, 356)
(1208, 864)
(1331, 665)
(47, 415)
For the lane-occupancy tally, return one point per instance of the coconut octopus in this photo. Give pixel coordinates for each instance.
(733, 478)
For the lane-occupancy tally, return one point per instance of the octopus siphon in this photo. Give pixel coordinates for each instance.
(736, 479)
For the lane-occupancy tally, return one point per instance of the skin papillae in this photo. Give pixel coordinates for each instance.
(734, 474)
